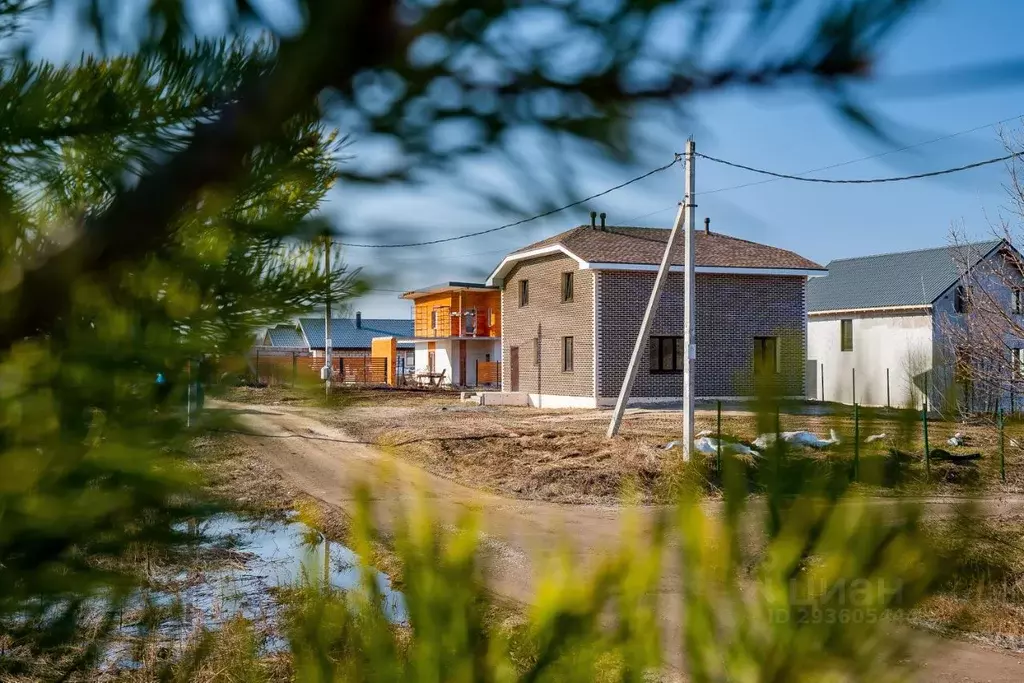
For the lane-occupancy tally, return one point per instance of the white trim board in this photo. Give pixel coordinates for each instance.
(924, 308)
(494, 279)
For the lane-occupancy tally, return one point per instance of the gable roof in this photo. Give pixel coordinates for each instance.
(908, 278)
(597, 248)
(345, 334)
(285, 335)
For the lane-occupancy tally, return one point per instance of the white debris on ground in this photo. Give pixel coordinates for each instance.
(709, 446)
(801, 438)
(876, 437)
(956, 440)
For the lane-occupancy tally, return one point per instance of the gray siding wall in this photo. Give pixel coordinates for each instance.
(995, 275)
(731, 311)
(554, 319)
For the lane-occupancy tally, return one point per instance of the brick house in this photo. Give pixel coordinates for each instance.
(572, 305)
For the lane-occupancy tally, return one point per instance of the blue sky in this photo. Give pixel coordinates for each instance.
(790, 131)
(787, 130)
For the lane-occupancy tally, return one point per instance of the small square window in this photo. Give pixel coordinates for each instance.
(524, 292)
(667, 354)
(846, 335)
(566, 354)
(566, 287)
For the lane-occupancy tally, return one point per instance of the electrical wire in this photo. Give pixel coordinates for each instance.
(860, 181)
(443, 240)
(942, 138)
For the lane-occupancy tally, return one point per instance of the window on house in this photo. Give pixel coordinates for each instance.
(1018, 362)
(566, 354)
(667, 354)
(960, 299)
(566, 287)
(1018, 300)
(433, 319)
(846, 335)
(767, 358)
(524, 292)
(536, 350)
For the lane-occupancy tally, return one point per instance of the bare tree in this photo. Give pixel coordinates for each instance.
(983, 331)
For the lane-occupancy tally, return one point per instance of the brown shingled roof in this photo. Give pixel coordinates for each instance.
(647, 245)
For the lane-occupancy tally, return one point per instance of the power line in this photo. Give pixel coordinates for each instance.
(519, 222)
(942, 138)
(860, 181)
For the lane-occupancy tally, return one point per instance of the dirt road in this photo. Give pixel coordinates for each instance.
(327, 463)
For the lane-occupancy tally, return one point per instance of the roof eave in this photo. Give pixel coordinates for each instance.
(871, 309)
(497, 276)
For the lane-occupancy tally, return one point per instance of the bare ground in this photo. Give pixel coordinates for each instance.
(315, 456)
(563, 456)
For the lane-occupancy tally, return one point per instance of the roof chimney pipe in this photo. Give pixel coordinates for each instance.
(707, 225)
(359, 320)
(603, 216)
(593, 219)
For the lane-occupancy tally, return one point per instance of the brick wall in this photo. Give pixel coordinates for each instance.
(731, 311)
(556, 320)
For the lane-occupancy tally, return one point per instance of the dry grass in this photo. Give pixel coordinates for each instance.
(343, 396)
(563, 456)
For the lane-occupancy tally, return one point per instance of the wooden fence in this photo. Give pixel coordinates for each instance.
(275, 366)
(488, 373)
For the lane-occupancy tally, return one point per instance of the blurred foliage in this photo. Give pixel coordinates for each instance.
(93, 459)
(814, 602)
(150, 197)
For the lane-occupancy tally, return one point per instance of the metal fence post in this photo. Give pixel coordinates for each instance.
(924, 421)
(822, 381)
(1002, 448)
(295, 369)
(856, 441)
(719, 413)
(853, 375)
(888, 403)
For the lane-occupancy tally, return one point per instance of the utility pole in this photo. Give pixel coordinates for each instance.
(685, 213)
(328, 342)
(688, 290)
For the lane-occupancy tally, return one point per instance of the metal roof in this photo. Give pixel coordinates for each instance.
(285, 335)
(908, 278)
(345, 334)
(444, 287)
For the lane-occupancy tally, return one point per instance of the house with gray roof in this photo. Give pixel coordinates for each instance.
(350, 337)
(885, 330)
(287, 336)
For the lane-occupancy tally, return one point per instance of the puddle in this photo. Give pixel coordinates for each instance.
(255, 557)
